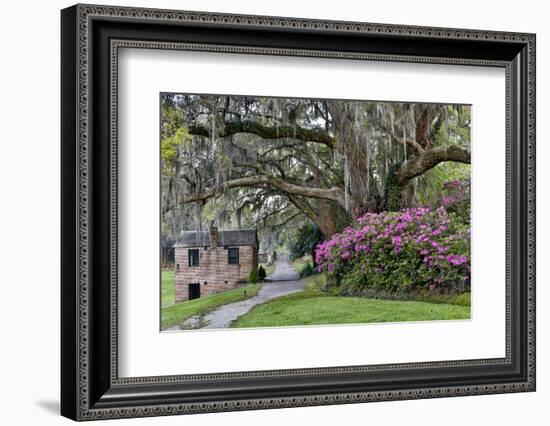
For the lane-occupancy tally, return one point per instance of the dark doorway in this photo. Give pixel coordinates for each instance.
(194, 291)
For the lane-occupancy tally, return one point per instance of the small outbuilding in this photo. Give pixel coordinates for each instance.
(208, 262)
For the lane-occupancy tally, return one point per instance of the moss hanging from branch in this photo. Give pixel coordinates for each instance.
(267, 132)
(394, 194)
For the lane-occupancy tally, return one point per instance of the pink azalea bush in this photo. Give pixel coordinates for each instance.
(410, 250)
(456, 198)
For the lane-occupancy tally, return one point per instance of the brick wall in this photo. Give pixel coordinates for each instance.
(213, 273)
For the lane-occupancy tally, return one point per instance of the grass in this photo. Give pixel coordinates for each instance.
(179, 312)
(168, 293)
(312, 307)
(309, 307)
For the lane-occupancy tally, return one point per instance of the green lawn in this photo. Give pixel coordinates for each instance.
(179, 312)
(168, 289)
(310, 307)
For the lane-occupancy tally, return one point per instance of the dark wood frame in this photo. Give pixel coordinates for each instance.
(90, 386)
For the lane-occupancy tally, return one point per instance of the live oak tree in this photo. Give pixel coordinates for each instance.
(277, 160)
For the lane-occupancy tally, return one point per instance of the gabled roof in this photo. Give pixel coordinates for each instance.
(236, 237)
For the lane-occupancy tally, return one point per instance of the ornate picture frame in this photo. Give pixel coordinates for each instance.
(91, 37)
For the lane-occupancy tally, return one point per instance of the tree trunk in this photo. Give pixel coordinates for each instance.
(330, 217)
(347, 123)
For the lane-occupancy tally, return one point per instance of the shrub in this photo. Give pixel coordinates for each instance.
(261, 273)
(308, 237)
(253, 276)
(456, 199)
(307, 270)
(400, 252)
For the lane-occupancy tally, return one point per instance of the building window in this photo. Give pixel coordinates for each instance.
(233, 255)
(193, 255)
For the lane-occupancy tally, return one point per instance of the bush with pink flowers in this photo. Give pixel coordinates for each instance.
(456, 198)
(411, 251)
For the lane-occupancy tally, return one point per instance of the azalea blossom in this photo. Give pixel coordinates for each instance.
(422, 237)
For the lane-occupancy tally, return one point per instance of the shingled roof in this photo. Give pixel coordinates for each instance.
(237, 237)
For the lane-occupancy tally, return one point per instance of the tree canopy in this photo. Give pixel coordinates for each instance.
(280, 163)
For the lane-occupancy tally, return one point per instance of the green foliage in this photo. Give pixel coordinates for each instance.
(209, 140)
(253, 276)
(261, 273)
(460, 299)
(170, 148)
(394, 198)
(269, 269)
(358, 289)
(307, 238)
(430, 184)
(463, 299)
(307, 270)
(299, 263)
(316, 283)
(456, 199)
(172, 120)
(400, 253)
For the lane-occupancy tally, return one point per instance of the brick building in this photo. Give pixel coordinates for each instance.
(212, 261)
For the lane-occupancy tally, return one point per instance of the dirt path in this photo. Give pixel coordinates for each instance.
(284, 280)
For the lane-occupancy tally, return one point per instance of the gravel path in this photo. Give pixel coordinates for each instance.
(284, 280)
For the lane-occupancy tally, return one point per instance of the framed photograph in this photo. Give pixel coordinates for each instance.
(263, 212)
